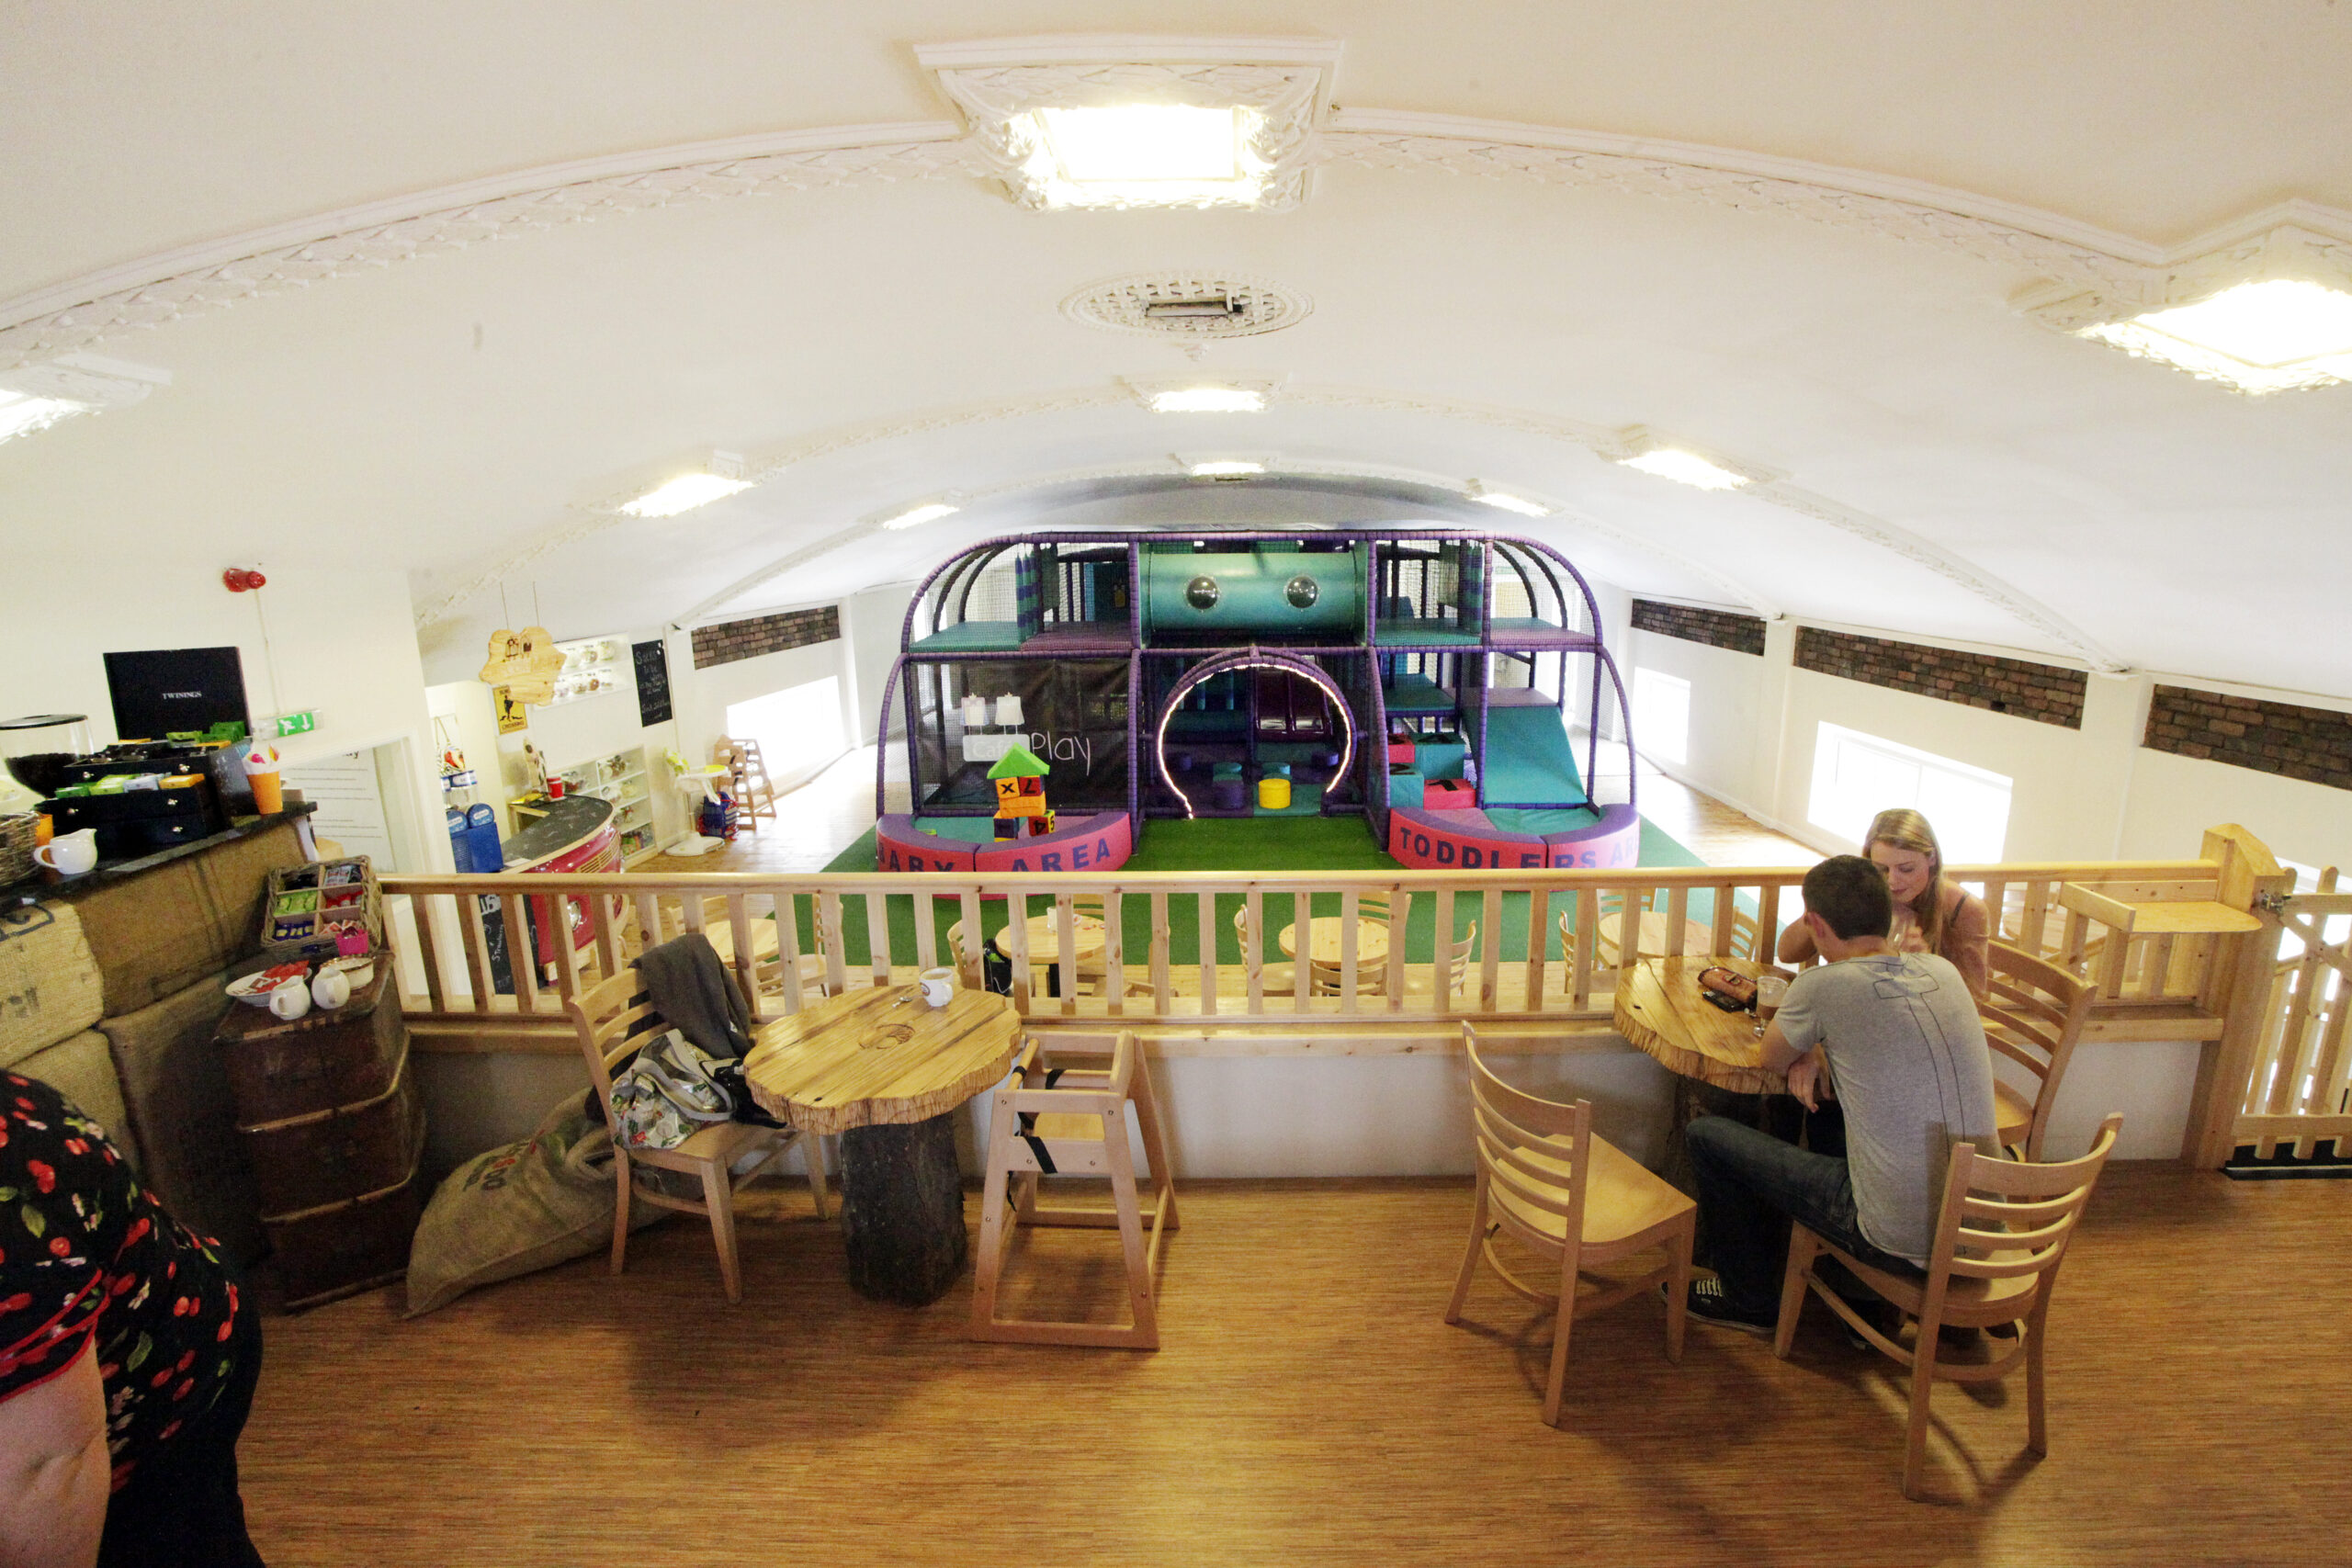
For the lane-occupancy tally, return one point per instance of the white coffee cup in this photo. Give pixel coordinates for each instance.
(938, 987)
(73, 855)
(331, 989)
(290, 1001)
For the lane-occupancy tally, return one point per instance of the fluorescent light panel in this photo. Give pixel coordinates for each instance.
(930, 512)
(1685, 468)
(1224, 468)
(1207, 399)
(1510, 502)
(683, 494)
(21, 413)
(1145, 154)
(2271, 336)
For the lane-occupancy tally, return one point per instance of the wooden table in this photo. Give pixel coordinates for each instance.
(883, 1068)
(1696, 937)
(1659, 1009)
(1088, 943)
(1323, 938)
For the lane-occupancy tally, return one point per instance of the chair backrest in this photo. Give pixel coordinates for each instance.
(2033, 1013)
(1744, 932)
(2004, 1219)
(1532, 1151)
(612, 1018)
(1109, 1081)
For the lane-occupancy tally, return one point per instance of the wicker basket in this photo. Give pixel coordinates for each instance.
(17, 847)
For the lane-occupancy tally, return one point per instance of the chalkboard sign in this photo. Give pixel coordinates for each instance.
(652, 681)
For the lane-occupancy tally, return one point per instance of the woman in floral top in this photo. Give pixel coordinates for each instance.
(127, 1358)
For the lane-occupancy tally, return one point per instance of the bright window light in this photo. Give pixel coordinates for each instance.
(1145, 154)
(1510, 502)
(1856, 776)
(1224, 468)
(1207, 399)
(1662, 715)
(930, 512)
(1685, 468)
(683, 494)
(21, 413)
(2259, 337)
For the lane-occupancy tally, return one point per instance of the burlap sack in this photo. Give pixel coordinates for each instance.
(50, 985)
(81, 1070)
(518, 1209)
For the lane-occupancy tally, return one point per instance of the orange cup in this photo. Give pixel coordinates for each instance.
(268, 800)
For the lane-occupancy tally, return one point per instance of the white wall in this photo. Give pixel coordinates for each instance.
(702, 697)
(342, 643)
(872, 623)
(1727, 712)
(2308, 822)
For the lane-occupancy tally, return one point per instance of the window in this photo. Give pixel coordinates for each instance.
(1856, 776)
(1662, 715)
(799, 728)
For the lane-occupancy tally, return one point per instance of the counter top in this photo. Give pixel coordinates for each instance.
(49, 884)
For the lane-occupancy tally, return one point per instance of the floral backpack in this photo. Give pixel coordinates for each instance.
(668, 1092)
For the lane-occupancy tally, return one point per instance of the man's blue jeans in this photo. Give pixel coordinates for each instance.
(1751, 1185)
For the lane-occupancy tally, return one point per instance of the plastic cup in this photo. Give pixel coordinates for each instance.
(1771, 991)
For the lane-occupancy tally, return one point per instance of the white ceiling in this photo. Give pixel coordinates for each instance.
(1954, 469)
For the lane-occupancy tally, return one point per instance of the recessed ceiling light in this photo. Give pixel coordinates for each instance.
(22, 413)
(1207, 399)
(1685, 468)
(1224, 468)
(1507, 502)
(723, 476)
(1145, 154)
(2271, 336)
(929, 511)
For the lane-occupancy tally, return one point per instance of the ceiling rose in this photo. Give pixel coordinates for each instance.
(1190, 306)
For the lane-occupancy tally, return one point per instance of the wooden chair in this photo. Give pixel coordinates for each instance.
(1056, 1121)
(613, 1021)
(754, 791)
(1464, 959)
(2000, 1236)
(2033, 1013)
(1372, 979)
(1572, 1198)
(767, 970)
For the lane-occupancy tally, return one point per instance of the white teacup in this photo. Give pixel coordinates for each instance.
(73, 855)
(290, 1001)
(938, 987)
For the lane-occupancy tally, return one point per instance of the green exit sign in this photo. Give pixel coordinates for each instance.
(298, 723)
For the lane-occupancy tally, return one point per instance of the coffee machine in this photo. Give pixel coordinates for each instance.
(37, 751)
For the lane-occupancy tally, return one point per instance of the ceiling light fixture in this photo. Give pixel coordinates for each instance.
(1224, 469)
(1685, 468)
(1505, 500)
(723, 477)
(1207, 399)
(929, 511)
(38, 396)
(1145, 155)
(2279, 334)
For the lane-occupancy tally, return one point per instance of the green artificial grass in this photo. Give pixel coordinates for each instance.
(1232, 843)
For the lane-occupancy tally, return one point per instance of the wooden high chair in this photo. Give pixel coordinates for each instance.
(1054, 1122)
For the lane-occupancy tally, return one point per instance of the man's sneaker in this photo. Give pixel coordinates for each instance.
(1707, 1303)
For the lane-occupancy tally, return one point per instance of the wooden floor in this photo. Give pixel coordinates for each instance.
(1308, 1407)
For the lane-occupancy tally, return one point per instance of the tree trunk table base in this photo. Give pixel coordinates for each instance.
(902, 1209)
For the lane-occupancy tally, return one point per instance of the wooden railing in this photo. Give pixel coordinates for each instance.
(2300, 1090)
(1194, 956)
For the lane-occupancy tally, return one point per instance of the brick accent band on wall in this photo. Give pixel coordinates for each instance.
(2311, 744)
(730, 640)
(1716, 629)
(2046, 694)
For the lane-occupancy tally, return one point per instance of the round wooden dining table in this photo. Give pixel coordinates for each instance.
(1662, 1010)
(1326, 933)
(883, 1068)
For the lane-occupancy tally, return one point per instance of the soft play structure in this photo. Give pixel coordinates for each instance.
(1421, 677)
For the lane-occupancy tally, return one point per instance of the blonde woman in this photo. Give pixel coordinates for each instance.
(1931, 913)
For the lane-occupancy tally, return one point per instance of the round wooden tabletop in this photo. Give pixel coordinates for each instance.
(1695, 936)
(1045, 939)
(1323, 941)
(881, 1054)
(1661, 1011)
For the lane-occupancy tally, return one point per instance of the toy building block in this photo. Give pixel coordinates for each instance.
(1019, 780)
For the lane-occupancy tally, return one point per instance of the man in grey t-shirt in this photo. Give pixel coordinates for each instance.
(1900, 1035)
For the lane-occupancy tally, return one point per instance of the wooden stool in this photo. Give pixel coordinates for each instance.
(1058, 1122)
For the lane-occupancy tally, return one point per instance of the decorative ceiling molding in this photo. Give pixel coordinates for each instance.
(199, 280)
(999, 83)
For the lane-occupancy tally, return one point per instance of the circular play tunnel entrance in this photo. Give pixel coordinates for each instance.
(1243, 660)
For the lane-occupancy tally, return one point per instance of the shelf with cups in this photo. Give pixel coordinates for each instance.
(591, 667)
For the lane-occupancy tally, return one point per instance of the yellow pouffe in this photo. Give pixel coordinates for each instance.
(1274, 794)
